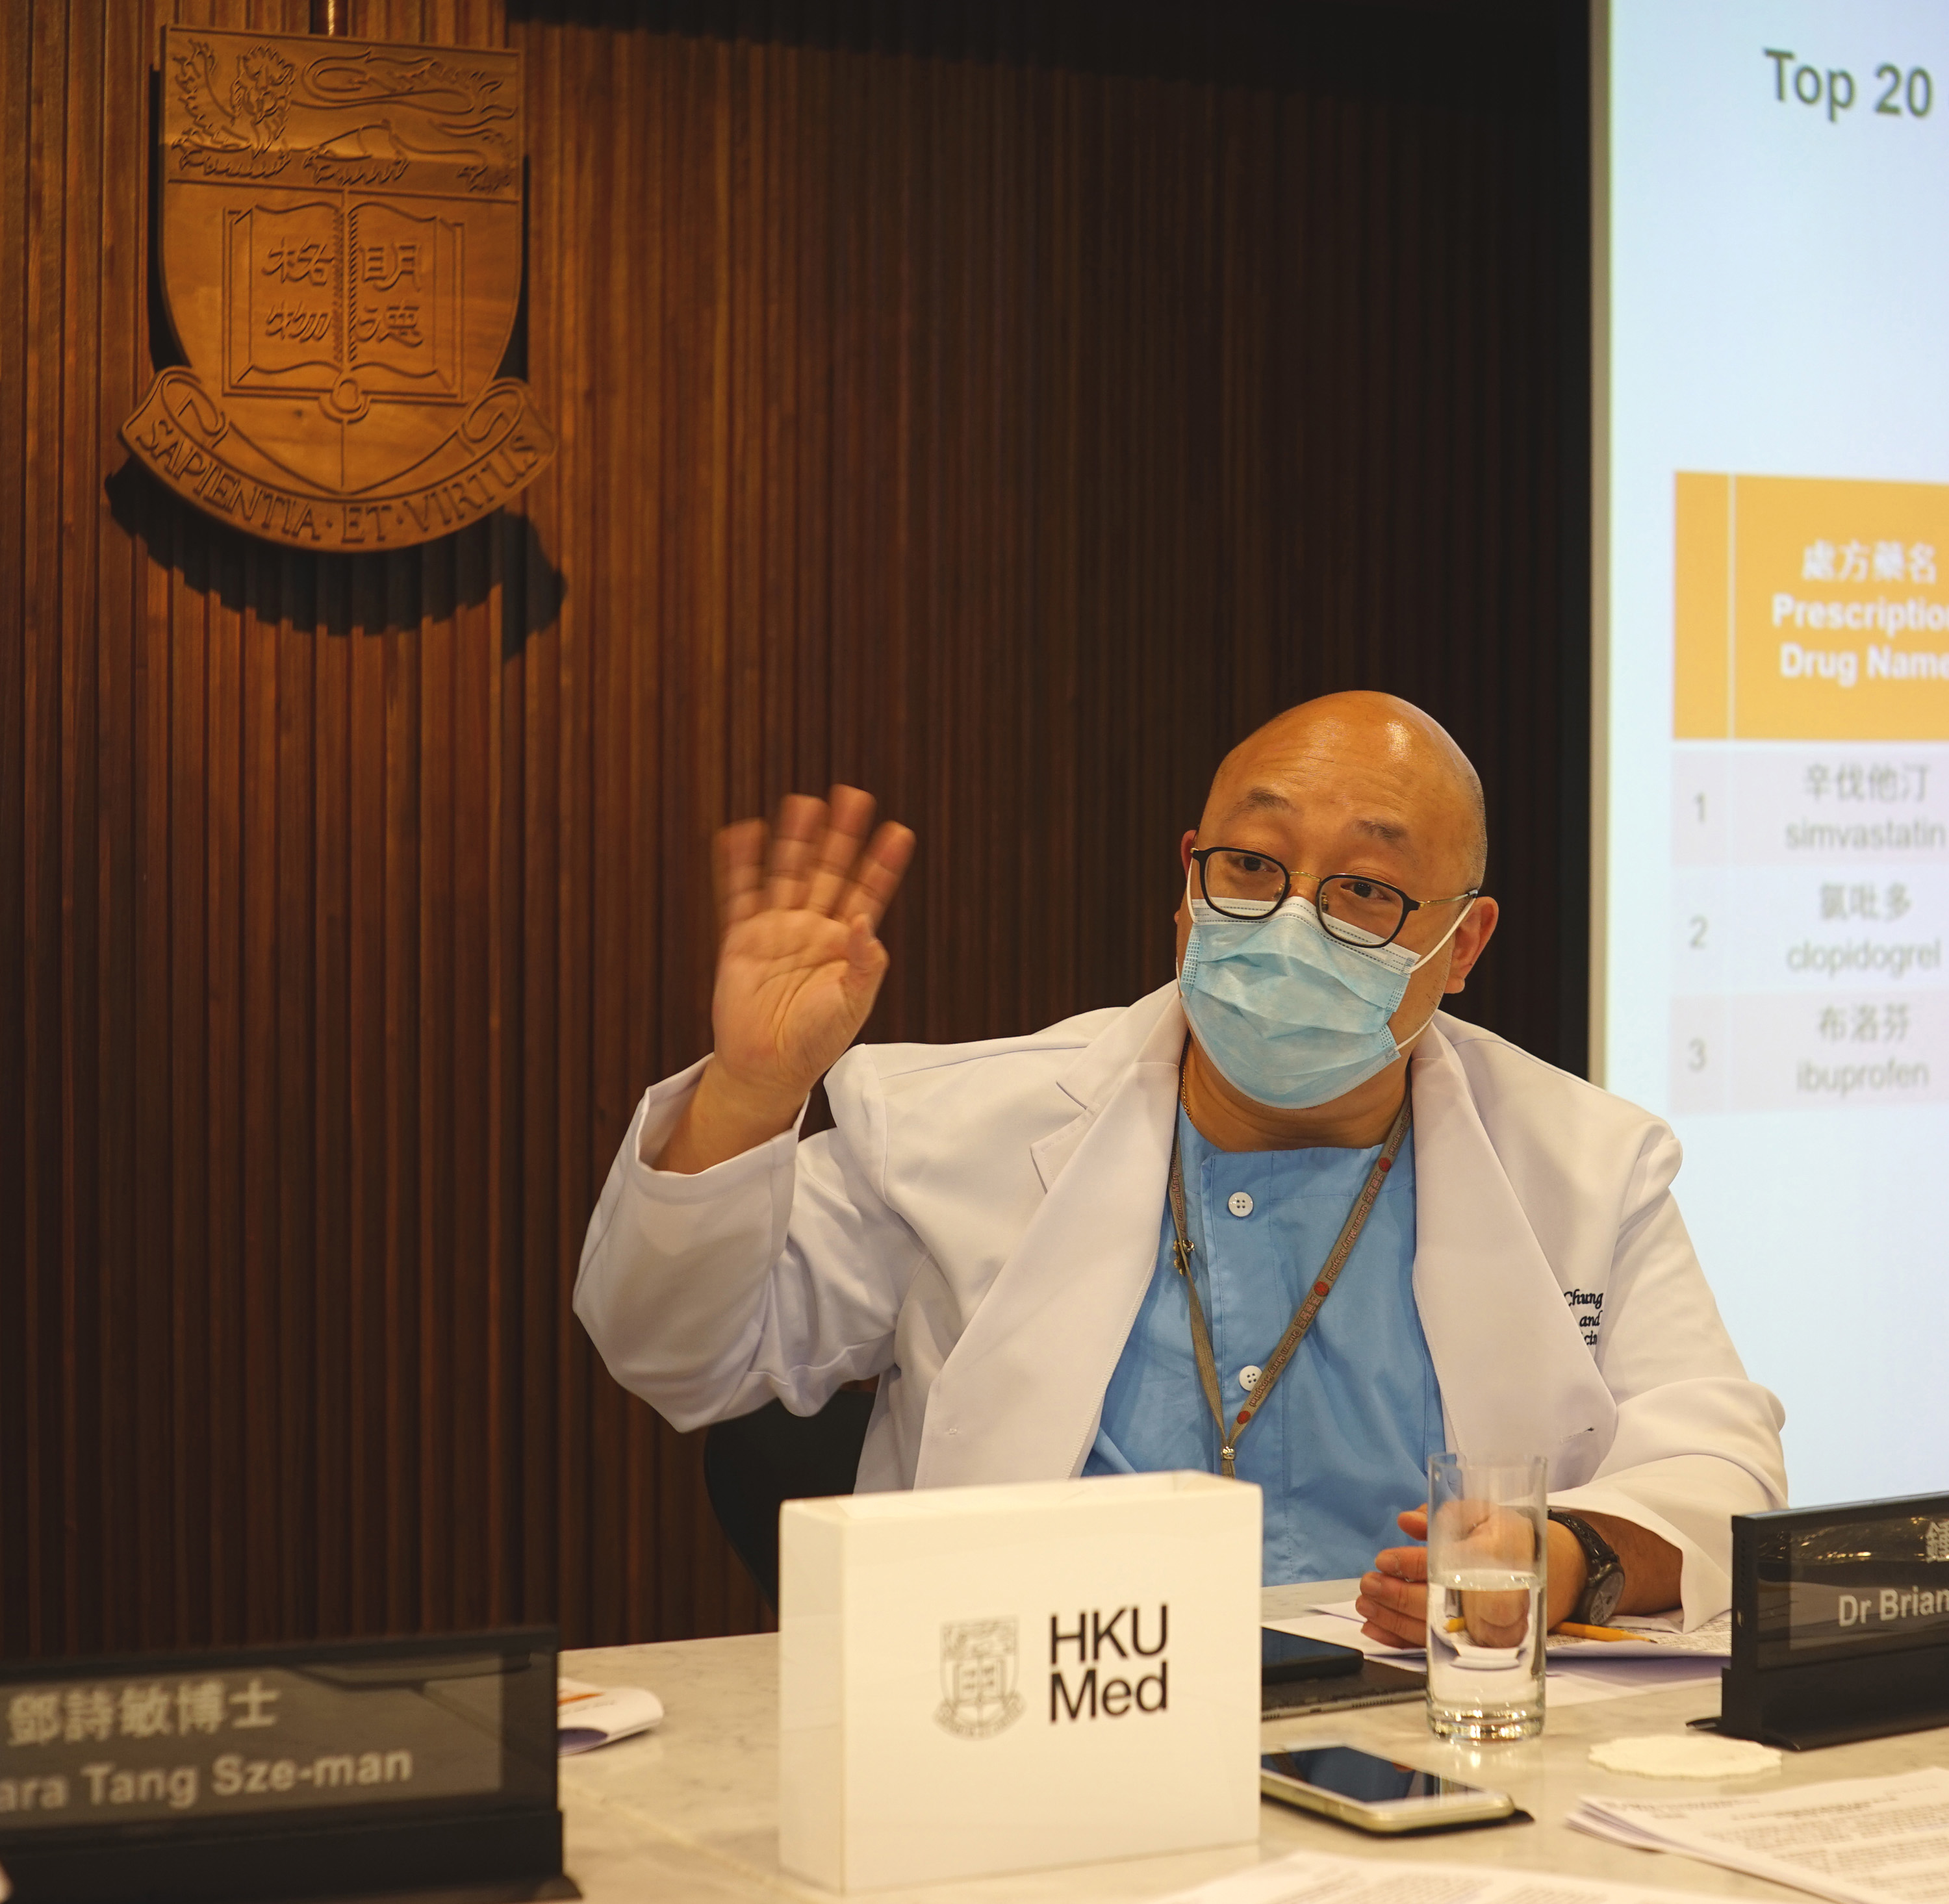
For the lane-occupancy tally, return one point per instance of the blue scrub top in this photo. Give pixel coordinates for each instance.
(1342, 1446)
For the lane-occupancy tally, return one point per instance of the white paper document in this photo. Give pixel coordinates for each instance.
(587, 1716)
(1858, 1840)
(1657, 1637)
(1580, 1685)
(1308, 1877)
(1579, 1672)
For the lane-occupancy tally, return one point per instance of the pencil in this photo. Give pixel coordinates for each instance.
(1577, 1632)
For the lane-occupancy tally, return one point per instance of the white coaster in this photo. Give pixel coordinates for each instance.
(1686, 1755)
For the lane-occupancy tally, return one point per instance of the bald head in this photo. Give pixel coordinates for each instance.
(1354, 771)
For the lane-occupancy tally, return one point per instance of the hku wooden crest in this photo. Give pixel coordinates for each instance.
(341, 256)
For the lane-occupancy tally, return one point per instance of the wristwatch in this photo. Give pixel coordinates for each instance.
(1604, 1573)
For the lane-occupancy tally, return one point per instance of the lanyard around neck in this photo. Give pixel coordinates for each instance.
(1231, 1433)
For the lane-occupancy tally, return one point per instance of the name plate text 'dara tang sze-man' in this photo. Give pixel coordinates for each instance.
(340, 250)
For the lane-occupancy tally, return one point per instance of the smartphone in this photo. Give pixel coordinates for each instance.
(1284, 1657)
(1374, 1793)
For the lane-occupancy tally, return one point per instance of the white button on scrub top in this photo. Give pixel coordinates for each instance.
(1249, 1376)
(1239, 1203)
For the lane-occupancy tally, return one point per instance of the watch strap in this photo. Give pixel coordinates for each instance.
(1603, 1574)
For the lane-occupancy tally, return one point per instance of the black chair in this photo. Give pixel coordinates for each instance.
(754, 1464)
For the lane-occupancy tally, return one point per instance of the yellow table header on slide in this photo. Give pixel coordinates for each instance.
(1810, 609)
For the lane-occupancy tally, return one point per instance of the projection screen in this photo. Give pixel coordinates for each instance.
(1771, 738)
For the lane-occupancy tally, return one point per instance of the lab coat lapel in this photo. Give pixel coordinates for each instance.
(1515, 1376)
(1019, 1397)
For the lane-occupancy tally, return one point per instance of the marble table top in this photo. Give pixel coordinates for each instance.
(690, 1811)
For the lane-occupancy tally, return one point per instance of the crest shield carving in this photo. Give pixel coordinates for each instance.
(979, 1667)
(341, 253)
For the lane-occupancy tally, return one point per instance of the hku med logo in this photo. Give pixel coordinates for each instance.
(978, 1663)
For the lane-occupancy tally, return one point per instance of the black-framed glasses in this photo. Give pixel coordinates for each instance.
(1354, 907)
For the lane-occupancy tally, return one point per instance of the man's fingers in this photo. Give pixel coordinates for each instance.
(1485, 1632)
(876, 877)
(1501, 1639)
(1394, 1610)
(1413, 1522)
(866, 954)
(1391, 1631)
(801, 823)
(849, 813)
(737, 867)
(1390, 1590)
(1402, 1563)
(1496, 1619)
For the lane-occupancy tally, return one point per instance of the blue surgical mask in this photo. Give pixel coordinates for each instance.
(1293, 1016)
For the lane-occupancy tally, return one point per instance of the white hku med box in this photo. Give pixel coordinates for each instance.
(975, 1680)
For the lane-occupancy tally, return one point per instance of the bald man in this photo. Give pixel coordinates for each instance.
(1281, 1219)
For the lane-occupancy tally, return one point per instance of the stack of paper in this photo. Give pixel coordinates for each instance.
(1654, 1637)
(1659, 1655)
(1307, 1878)
(1860, 1840)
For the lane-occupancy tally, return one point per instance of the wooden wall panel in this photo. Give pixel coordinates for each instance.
(1005, 406)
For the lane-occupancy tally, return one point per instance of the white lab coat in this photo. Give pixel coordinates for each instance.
(979, 1229)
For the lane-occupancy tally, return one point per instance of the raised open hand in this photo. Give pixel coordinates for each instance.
(799, 965)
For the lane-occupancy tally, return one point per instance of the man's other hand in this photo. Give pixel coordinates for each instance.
(1393, 1599)
(799, 965)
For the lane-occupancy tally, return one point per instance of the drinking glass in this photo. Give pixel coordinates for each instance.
(1486, 1523)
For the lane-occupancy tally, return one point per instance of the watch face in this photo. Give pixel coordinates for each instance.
(1605, 1596)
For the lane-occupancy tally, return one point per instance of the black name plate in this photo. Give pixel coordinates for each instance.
(1840, 1623)
(272, 1772)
